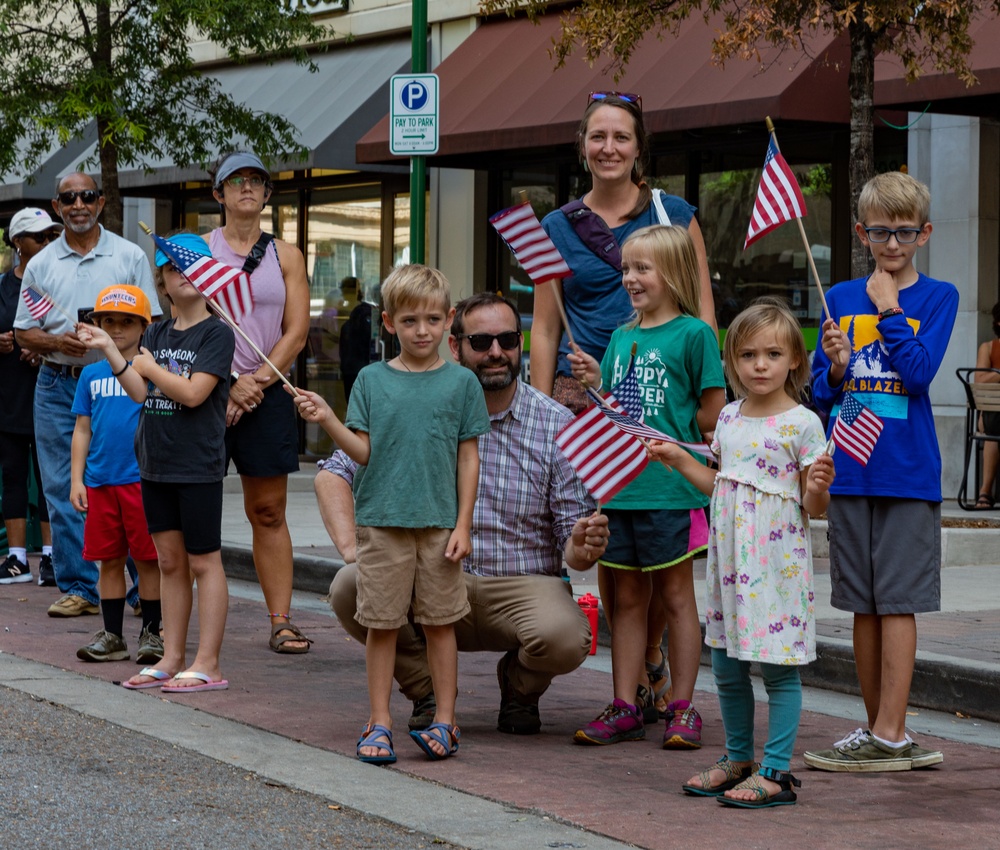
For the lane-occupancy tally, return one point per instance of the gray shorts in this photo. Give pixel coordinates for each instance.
(885, 555)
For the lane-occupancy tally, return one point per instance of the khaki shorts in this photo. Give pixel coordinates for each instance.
(400, 568)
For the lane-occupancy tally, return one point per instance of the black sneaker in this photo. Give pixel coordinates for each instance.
(424, 710)
(12, 571)
(516, 716)
(46, 575)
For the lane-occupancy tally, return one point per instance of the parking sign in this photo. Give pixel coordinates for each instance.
(413, 114)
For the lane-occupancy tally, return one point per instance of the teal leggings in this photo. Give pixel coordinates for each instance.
(784, 705)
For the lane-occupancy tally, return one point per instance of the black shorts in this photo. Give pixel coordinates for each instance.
(195, 510)
(265, 442)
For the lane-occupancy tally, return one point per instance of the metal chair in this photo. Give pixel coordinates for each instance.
(980, 397)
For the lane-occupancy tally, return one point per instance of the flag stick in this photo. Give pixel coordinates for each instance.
(802, 233)
(221, 312)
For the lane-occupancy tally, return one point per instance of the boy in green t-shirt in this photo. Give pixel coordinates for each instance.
(412, 424)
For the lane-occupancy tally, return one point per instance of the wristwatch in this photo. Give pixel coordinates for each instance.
(891, 311)
(234, 376)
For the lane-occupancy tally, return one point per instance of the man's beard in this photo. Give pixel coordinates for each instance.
(495, 381)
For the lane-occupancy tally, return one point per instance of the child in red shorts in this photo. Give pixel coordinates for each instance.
(105, 483)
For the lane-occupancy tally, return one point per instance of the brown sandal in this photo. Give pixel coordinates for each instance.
(277, 643)
(985, 502)
(735, 774)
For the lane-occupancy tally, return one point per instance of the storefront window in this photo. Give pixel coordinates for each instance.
(343, 264)
(777, 263)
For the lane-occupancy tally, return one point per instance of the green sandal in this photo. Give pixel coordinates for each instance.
(762, 800)
(734, 776)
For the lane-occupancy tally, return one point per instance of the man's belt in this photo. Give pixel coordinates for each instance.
(62, 369)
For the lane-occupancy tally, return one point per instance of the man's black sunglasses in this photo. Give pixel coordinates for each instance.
(509, 340)
(88, 196)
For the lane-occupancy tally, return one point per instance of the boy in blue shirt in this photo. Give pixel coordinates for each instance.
(883, 343)
(412, 424)
(105, 483)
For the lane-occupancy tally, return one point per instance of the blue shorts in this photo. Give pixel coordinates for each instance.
(653, 540)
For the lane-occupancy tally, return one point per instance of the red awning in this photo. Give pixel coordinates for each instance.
(944, 92)
(499, 90)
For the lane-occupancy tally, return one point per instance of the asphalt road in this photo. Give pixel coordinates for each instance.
(67, 780)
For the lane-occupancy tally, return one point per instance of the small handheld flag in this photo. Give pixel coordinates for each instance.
(38, 303)
(520, 228)
(626, 393)
(856, 429)
(605, 458)
(222, 284)
(779, 198)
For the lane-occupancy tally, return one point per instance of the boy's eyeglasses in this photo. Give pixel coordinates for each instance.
(43, 238)
(88, 196)
(255, 181)
(904, 235)
(509, 340)
(621, 95)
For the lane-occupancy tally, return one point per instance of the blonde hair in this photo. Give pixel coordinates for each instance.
(674, 259)
(414, 284)
(896, 195)
(767, 314)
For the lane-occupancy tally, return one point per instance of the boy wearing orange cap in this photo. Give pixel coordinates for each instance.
(105, 483)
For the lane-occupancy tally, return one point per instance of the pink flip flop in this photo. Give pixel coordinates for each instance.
(207, 683)
(159, 678)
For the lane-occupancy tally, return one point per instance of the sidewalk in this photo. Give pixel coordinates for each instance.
(295, 719)
(958, 650)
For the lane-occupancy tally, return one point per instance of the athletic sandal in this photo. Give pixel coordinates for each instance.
(277, 642)
(734, 776)
(985, 502)
(441, 733)
(762, 800)
(376, 735)
(158, 676)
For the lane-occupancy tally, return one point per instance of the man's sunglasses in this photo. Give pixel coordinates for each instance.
(621, 95)
(88, 196)
(509, 340)
(43, 238)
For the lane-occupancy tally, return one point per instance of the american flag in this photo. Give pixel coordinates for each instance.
(222, 284)
(626, 393)
(779, 198)
(520, 228)
(38, 302)
(856, 429)
(631, 425)
(605, 458)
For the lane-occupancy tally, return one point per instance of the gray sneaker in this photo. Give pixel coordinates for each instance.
(150, 647)
(104, 647)
(922, 757)
(860, 752)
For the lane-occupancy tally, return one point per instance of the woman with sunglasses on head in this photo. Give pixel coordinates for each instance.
(30, 230)
(613, 146)
(261, 432)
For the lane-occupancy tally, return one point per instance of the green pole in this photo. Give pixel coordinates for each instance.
(418, 164)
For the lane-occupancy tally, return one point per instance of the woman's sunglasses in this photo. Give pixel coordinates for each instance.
(43, 238)
(635, 99)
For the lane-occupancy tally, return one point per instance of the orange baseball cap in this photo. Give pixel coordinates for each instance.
(122, 298)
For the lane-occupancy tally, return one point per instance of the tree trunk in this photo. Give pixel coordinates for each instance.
(108, 150)
(861, 83)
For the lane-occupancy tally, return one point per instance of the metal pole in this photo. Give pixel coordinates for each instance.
(418, 164)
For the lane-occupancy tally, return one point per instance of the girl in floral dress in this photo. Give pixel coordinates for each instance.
(773, 474)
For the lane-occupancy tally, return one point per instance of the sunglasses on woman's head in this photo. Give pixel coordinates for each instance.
(635, 99)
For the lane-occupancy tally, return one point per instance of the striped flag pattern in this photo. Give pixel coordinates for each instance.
(779, 198)
(218, 282)
(38, 303)
(520, 228)
(605, 458)
(856, 429)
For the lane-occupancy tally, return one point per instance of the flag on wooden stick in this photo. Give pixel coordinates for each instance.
(779, 198)
(218, 282)
(856, 429)
(38, 302)
(520, 228)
